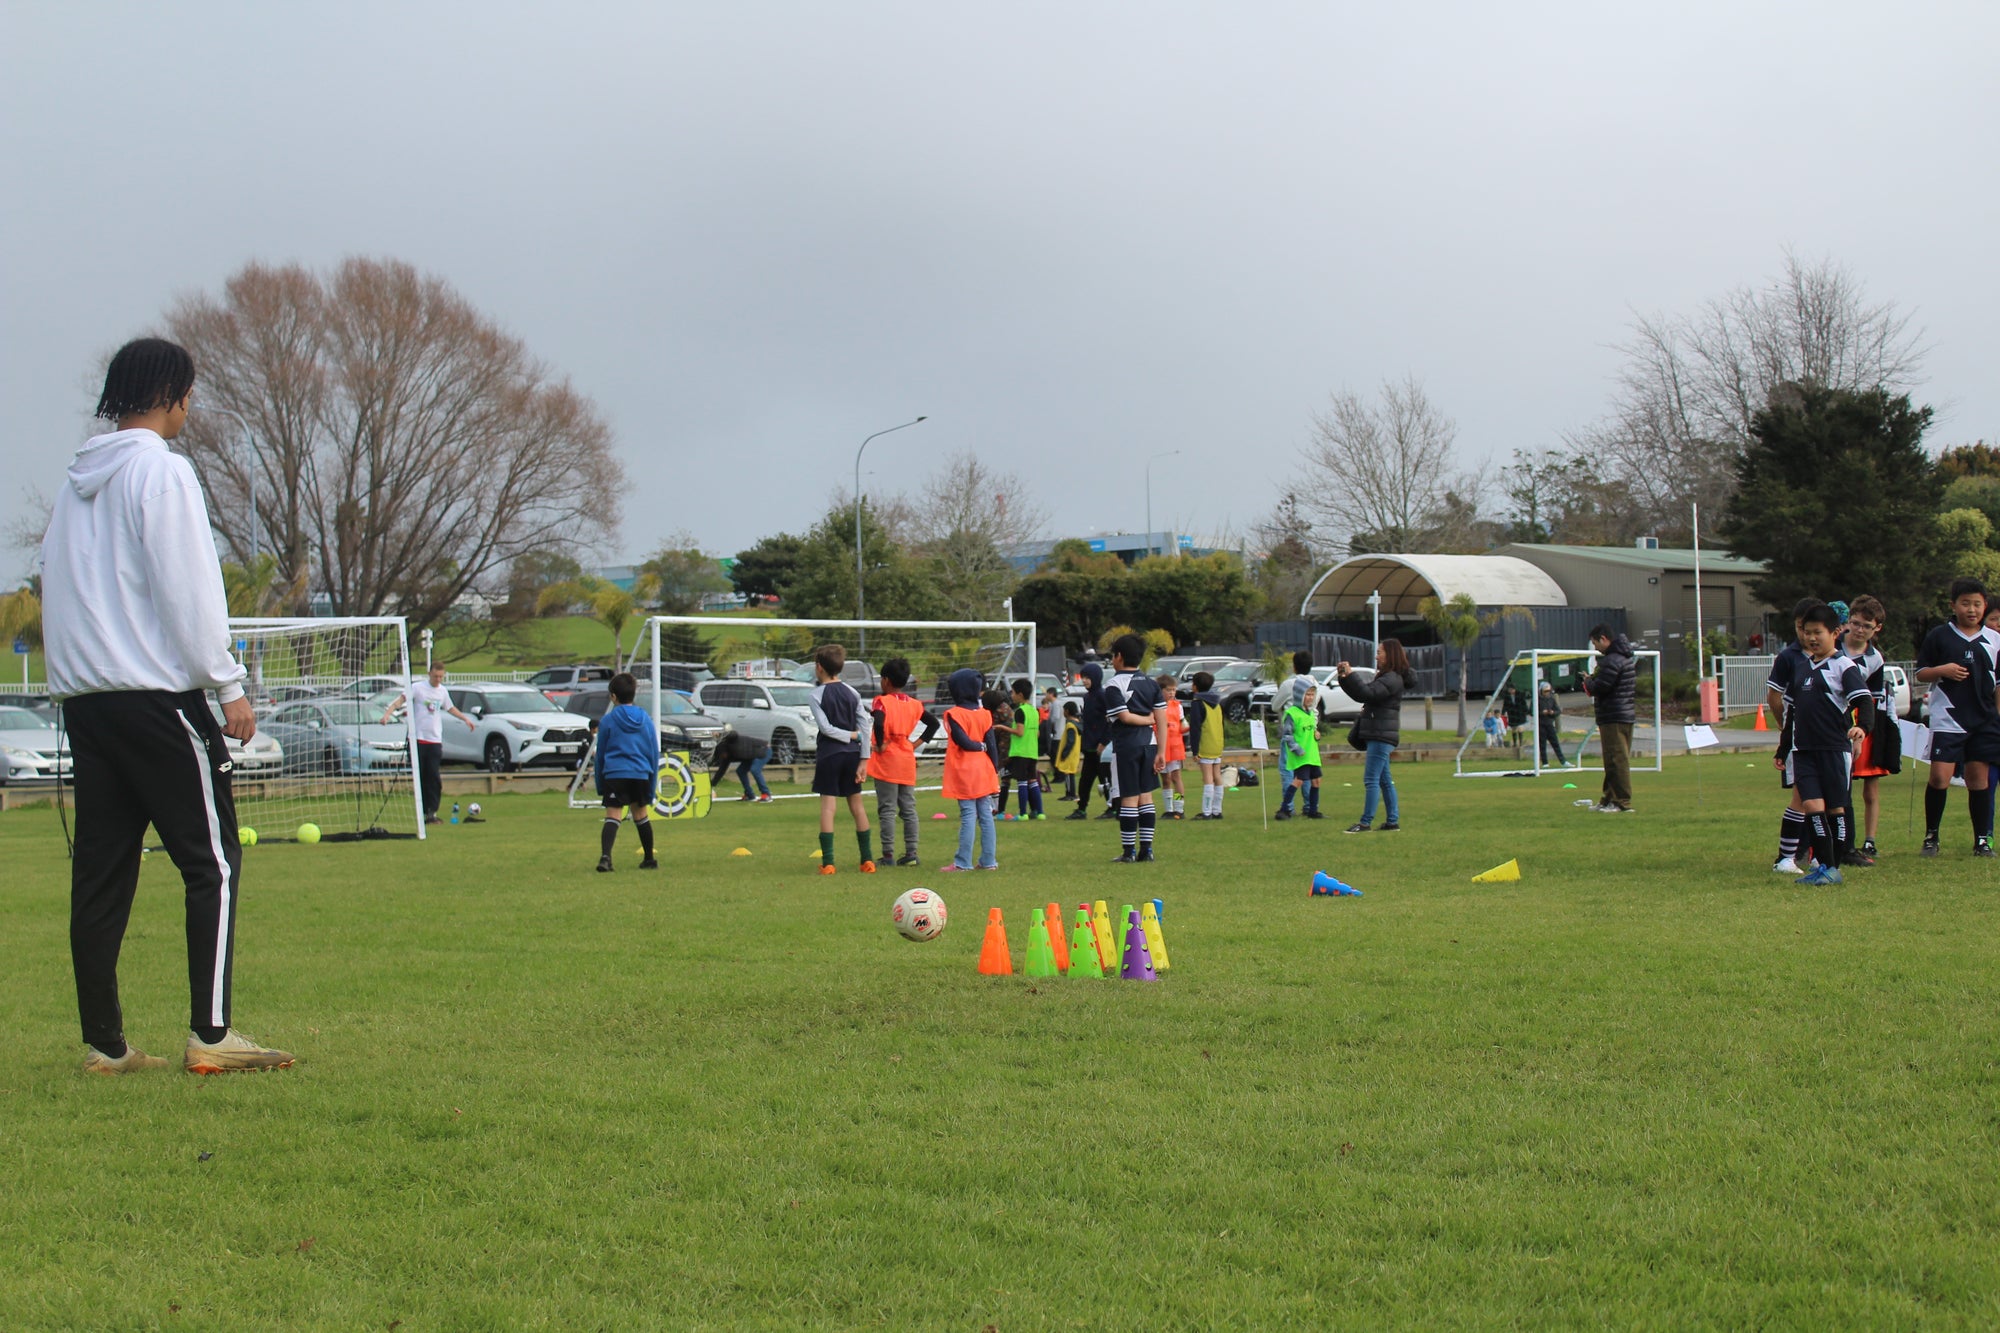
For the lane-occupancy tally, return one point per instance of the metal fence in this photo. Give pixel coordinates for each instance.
(1427, 661)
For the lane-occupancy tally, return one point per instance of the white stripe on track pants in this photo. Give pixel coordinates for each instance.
(148, 757)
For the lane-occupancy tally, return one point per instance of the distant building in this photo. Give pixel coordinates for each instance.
(1131, 547)
(1656, 586)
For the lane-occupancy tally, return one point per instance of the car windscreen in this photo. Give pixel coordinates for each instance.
(1238, 671)
(519, 701)
(348, 713)
(675, 704)
(20, 719)
(791, 696)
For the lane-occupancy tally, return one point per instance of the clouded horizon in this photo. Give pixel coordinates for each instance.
(1073, 235)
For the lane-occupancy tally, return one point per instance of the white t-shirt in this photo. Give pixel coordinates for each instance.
(427, 705)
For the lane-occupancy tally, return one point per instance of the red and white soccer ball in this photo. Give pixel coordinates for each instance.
(918, 915)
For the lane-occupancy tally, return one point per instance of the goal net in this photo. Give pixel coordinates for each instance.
(1494, 748)
(322, 754)
(756, 675)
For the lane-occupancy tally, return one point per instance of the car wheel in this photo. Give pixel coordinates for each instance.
(1235, 710)
(498, 758)
(784, 750)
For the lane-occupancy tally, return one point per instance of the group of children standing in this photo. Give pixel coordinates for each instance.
(1839, 728)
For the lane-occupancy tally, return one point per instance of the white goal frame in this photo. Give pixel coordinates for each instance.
(400, 624)
(1015, 631)
(1533, 659)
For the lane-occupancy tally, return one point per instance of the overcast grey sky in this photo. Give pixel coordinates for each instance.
(1070, 233)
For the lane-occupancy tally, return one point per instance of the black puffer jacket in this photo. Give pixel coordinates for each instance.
(1381, 702)
(1614, 686)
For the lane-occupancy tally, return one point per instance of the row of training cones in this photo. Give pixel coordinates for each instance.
(1089, 951)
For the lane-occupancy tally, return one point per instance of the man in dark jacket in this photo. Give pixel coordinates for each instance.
(1613, 690)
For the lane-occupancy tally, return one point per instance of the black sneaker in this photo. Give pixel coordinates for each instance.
(1392, 827)
(1355, 828)
(1982, 847)
(1146, 854)
(649, 864)
(1930, 847)
(1112, 813)
(1123, 859)
(1314, 814)
(1077, 814)
(908, 859)
(1282, 814)
(1857, 857)
(1869, 847)
(603, 865)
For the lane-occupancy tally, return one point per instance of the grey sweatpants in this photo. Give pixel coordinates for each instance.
(891, 799)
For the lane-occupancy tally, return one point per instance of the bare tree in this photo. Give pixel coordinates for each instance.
(965, 523)
(1691, 383)
(1384, 474)
(406, 450)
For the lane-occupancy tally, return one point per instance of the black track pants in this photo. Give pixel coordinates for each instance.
(430, 775)
(1087, 775)
(147, 757)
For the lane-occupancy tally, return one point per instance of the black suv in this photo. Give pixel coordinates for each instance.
(683, 726)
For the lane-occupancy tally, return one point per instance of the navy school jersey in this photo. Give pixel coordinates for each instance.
(1871, 663)
(1138, 695)
(1784, 667)
(1959, 706)
(1819, 697)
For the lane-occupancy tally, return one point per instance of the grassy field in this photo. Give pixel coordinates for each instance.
(1650, 1085)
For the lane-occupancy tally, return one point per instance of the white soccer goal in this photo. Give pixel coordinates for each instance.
(675, 653)
(1472, 760)
(322, 754)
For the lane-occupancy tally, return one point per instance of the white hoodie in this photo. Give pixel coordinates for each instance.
(132, 595)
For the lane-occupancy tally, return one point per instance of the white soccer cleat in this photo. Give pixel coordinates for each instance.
(1784, 865)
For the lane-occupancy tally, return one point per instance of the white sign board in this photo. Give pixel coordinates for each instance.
(1258, 740)
(1916, 741)
(1700, 736)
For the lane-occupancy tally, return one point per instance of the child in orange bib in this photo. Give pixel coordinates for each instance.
(1175, 750)
(969, 777)
(893, 765)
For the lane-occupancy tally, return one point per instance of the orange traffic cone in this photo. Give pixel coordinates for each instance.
(1056, 940)
(1762, 725)
(994, 960)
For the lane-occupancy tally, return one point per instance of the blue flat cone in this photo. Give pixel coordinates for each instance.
(1326, 886)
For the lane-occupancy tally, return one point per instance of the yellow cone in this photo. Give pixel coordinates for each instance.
(741, 851)
(1156, 939)
(1100, 925)
(1500, 874)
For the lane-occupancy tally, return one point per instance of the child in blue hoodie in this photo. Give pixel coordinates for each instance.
(628, 769)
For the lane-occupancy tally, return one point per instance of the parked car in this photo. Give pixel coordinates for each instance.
(23, 700)
(514, 726)
(762, 666)
(260, 756)
(336, 736)
(682, 676)
(683, 725)
(778, 712)
(863, 677)
(1180, 668)
(31, 749)
(560, 682)
(1335, 704)
(370, 685)
(1903, 701)
(1234, 681)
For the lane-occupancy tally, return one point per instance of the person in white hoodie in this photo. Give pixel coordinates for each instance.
(136, 631)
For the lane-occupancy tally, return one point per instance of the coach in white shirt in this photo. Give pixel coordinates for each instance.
(429, 701)
(136, 629)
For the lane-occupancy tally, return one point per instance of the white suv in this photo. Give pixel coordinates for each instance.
(513, 726)
(776, 711)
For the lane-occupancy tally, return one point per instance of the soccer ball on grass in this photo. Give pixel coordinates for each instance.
(918, 915)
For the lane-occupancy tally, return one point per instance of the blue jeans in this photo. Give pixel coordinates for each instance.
(1376, 782)
(749, 769)
(980, 813)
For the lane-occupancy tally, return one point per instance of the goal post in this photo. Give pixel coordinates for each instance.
(322, 754)
(1004, 650)
(1473, 765)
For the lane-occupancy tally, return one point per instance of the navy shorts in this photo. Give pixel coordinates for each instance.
(838, 774)
(1958, 747)
(1134, 772)
(1822, 775)
(621, 792)
(1307, 773)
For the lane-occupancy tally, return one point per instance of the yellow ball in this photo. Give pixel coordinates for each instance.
(247, 836)
(308, 834)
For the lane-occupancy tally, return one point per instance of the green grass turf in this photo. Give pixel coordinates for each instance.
(1650, 1085)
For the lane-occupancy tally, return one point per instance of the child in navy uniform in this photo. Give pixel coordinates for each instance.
(1956, 662)
(843, 745)
(1819, 693)
(1132, 706)
(1792, 827)
(1881, 754)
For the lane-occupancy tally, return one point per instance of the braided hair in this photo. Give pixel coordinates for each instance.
(145, 374)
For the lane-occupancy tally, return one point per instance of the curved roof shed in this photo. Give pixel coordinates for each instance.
(1406, 580)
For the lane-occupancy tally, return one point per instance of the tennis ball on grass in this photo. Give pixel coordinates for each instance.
(308, 834)
(247, 837)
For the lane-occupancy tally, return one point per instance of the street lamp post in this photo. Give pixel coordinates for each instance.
(860, 602)
(1171, 453)
(249, 445)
